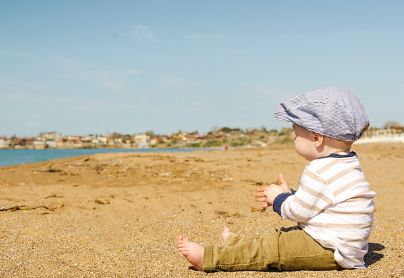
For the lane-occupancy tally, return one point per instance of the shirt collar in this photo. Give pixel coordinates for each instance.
(335, 155)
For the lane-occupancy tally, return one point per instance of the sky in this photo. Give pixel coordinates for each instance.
(96, 67)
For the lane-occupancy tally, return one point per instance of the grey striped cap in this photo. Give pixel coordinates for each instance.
(331, 111)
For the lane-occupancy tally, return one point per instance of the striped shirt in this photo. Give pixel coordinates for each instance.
(334, 205)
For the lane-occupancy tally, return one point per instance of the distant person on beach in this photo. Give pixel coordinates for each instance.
(333, 205)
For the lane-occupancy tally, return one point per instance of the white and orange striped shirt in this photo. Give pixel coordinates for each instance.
(334, 205)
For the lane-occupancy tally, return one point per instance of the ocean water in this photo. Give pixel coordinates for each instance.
(15, 156)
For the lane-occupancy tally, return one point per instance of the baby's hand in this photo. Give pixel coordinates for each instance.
(269, 193)
(282, 183)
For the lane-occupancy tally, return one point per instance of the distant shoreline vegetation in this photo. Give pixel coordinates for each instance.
(219, 137)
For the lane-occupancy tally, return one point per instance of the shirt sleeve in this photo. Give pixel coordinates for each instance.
(312, 197)
(277, 206)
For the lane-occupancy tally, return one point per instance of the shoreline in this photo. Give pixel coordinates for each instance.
(38, 155)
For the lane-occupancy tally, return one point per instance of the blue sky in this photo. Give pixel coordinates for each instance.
(80, 67)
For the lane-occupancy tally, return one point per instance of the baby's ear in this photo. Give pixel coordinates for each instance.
(318, 139)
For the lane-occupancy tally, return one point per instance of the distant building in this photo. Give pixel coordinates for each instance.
(39, 143)
(51, 136)
(103, 140)
(3, 143)
(88, 138)
(142, 141)
(51, 144)
(154, 141)
(74, 140)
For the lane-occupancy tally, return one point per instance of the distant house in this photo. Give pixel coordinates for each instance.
(39, 143)
(51, 144)
(154, 141)
(142, 141)
(88, 138)
(103, 140)
(3, 143)
(51, 136)
(74, 140)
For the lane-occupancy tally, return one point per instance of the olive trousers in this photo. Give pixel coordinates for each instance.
(284, 249)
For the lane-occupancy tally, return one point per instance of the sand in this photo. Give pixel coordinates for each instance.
(119, 215)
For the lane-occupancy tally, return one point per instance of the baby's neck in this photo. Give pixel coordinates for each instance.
(337, 147)
(341, 152)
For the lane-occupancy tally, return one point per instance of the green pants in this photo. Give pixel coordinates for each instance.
(284, 249)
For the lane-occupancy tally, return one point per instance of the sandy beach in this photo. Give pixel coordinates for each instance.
(119, 215)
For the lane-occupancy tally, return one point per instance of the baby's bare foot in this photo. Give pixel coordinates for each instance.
(192, 251)
(225, 233)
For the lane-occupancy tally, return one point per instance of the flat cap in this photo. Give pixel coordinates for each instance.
(331, 111)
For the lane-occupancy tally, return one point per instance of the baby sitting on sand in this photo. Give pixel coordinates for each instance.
(333, 206)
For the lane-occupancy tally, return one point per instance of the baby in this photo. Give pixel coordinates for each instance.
(333, 205)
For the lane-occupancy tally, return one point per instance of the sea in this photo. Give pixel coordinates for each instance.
(21, 156)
